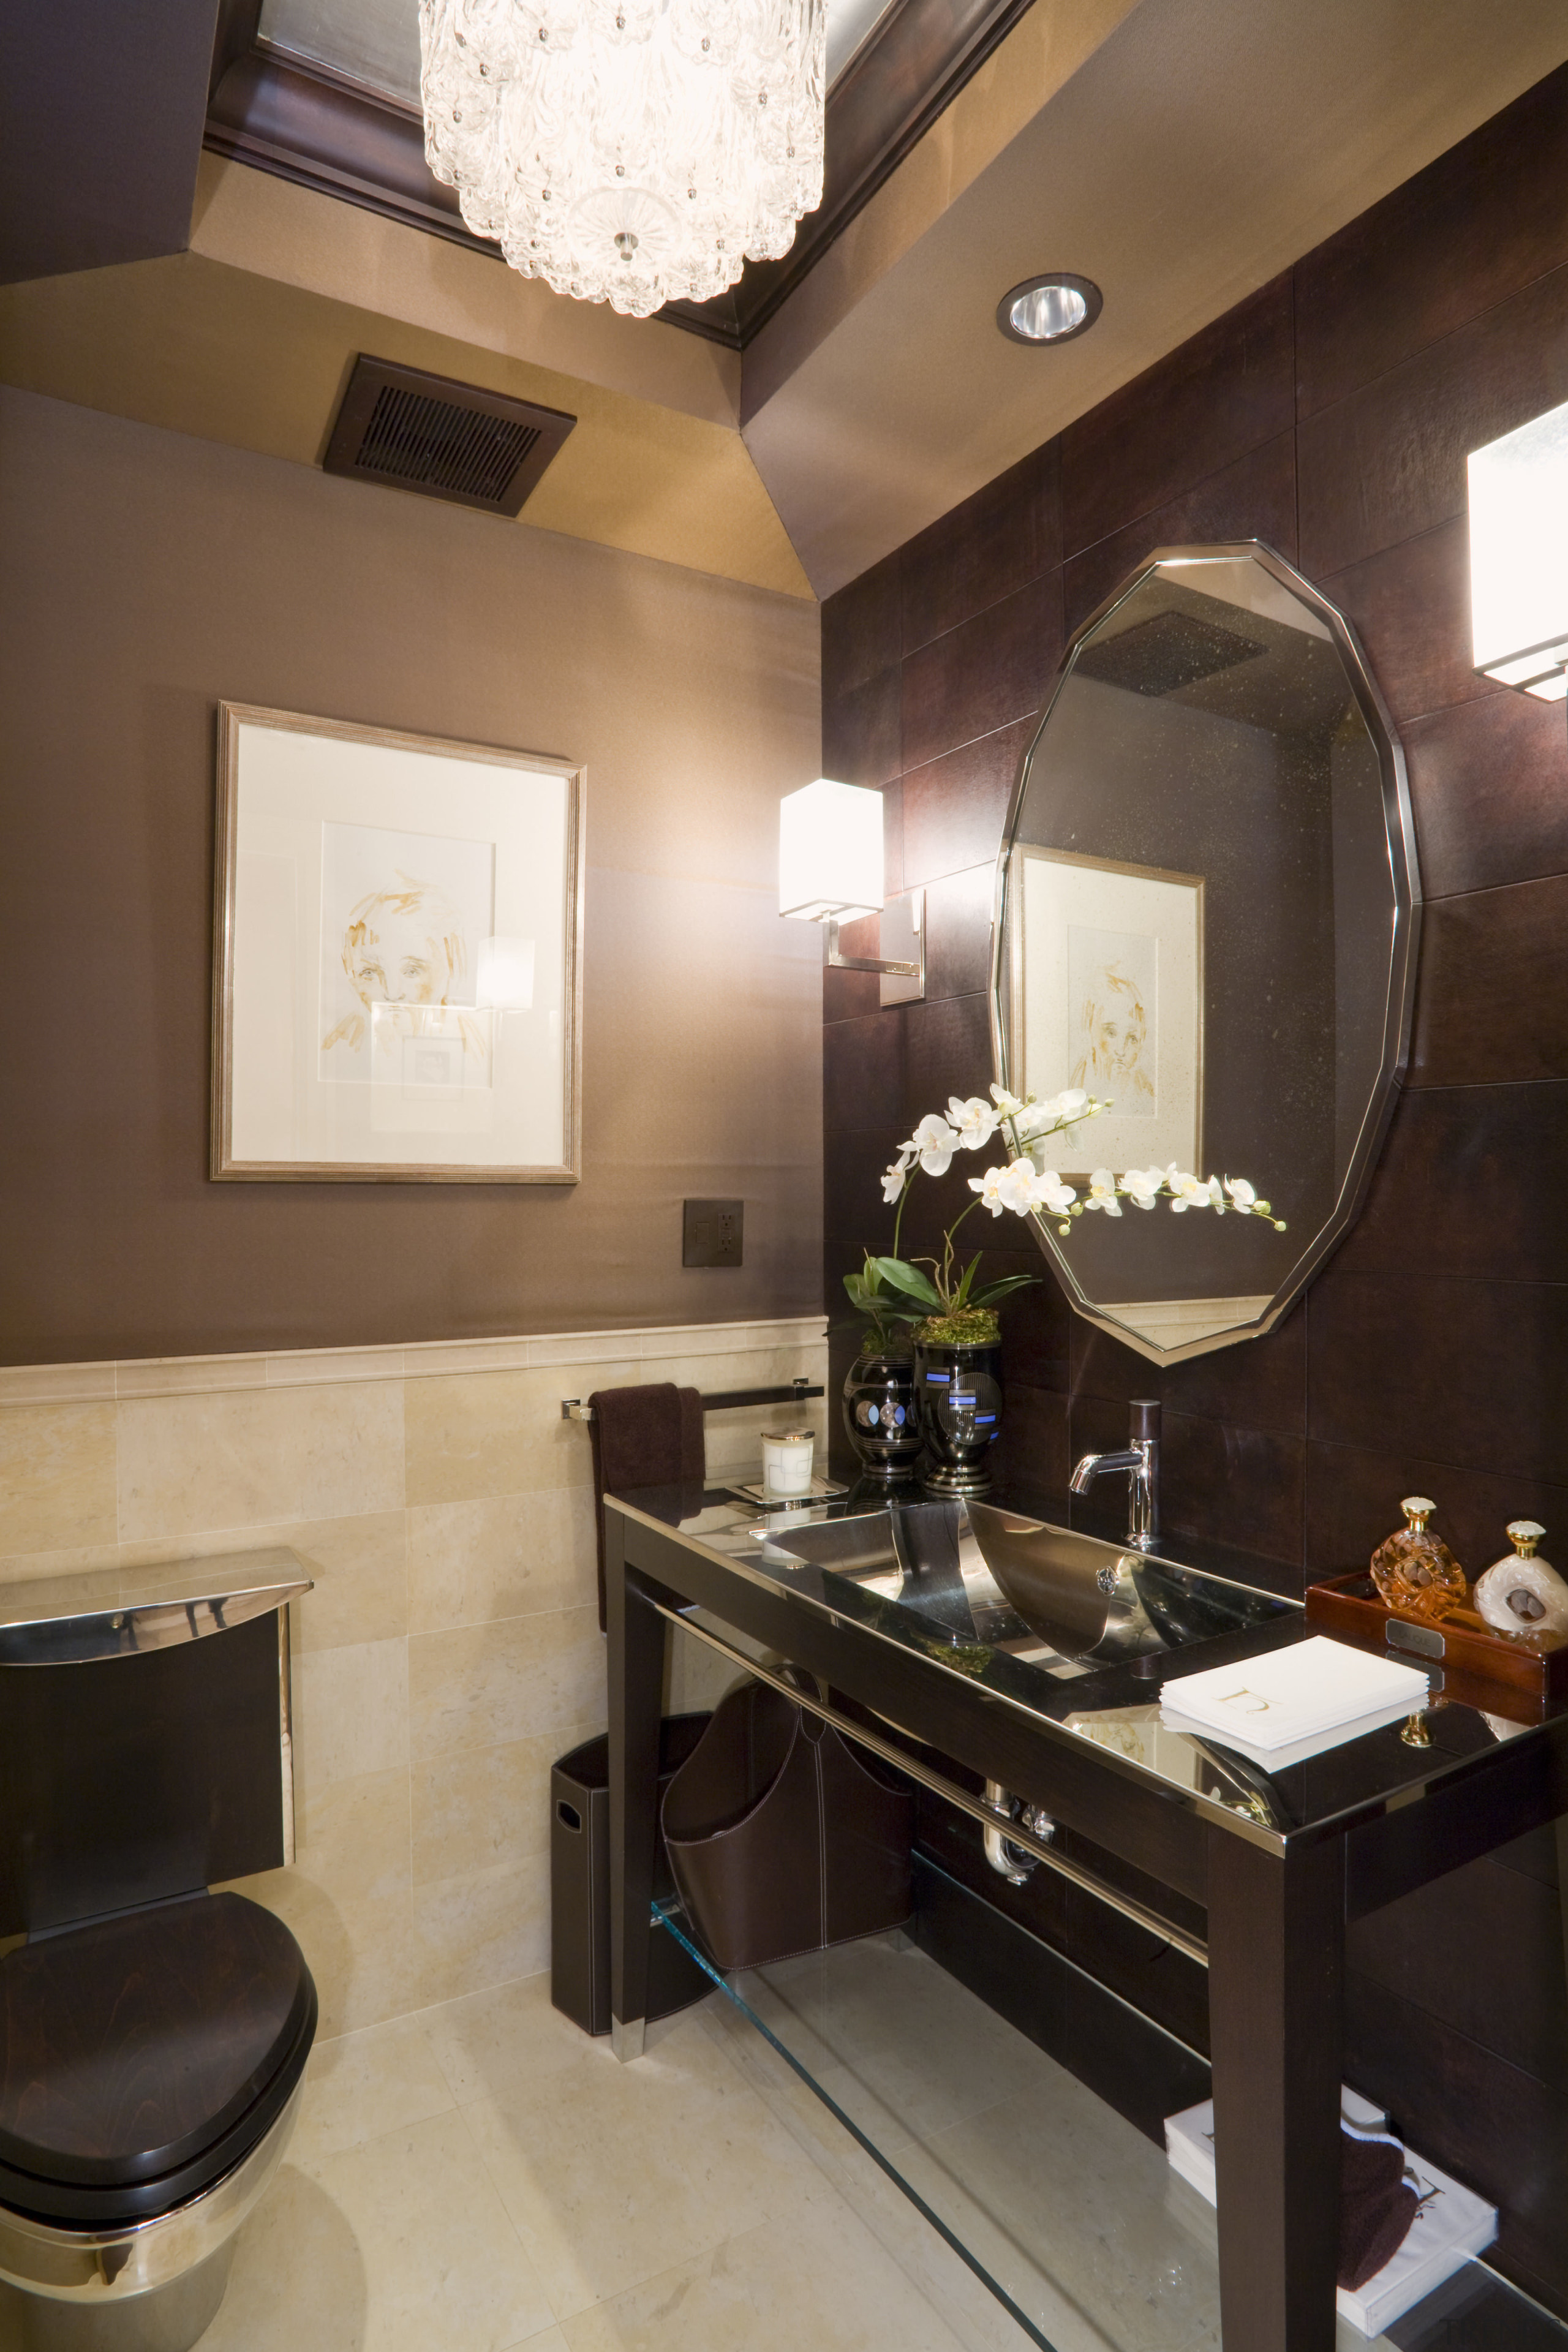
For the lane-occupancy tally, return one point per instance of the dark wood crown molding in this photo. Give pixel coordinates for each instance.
(323, 131)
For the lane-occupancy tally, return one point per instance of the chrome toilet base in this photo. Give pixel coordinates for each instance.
(154, 2286)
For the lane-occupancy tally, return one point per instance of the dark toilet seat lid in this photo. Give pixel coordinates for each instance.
(136, 2048)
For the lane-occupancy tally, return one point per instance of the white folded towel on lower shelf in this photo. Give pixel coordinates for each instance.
(1453, 2223)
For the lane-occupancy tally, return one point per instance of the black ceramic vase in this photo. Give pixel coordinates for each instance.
(879, 1414)
(960, 1403)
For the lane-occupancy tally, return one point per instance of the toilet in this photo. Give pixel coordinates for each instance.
(153, 2032)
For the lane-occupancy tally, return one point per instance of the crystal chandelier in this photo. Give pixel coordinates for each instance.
(634, 151)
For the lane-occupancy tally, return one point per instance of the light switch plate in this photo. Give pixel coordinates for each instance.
(712, 1233)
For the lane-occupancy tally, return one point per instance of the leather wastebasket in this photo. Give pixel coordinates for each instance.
(580, 1885)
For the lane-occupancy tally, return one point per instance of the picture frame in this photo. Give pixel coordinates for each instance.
(397, 984)
(1106, 978)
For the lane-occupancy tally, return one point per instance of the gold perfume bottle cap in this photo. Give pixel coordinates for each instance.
(1418, 1510)
(1524, 1535)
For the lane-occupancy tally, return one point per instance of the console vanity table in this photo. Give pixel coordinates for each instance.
(902, 1613)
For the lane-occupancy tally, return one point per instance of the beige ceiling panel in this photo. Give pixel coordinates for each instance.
(255, 222)
(1039, 58)
(1197, 151)
(229, 354)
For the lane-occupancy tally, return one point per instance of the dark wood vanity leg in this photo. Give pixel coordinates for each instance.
(635, 1666)
(1275, 1972)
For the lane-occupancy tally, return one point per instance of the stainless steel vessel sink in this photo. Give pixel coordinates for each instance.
(1064, 1600)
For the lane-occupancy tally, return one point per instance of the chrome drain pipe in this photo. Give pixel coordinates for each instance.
(1007, 1859)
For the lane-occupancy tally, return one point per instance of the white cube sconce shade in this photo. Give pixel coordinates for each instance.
(1519, 556)
(830, 851)
(830, 871)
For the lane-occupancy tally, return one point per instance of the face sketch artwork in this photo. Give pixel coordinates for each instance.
(1111, 1043)
(404, 945)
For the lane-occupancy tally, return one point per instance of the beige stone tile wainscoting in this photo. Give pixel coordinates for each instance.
(450, 1648)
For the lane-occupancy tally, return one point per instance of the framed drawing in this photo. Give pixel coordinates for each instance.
(1107, 978)
(397, 974)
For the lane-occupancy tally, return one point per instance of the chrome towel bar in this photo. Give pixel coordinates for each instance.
(573, 1408)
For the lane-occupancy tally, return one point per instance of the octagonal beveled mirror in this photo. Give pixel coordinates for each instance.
(1208, 911)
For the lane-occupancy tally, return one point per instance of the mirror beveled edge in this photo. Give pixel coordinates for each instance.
(1406, 877)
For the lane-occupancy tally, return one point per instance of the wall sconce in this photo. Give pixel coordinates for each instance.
(830, 871)
(1519, 556)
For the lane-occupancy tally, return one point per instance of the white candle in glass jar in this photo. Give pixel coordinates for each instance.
(786, 1461)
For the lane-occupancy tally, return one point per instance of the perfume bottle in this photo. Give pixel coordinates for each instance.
(1415, 1571)
(1521, 1594)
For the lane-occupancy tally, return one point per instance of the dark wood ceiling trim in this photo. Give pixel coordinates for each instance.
(310, 126)
(909, 71)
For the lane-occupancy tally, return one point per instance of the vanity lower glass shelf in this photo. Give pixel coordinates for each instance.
(1064, 2212)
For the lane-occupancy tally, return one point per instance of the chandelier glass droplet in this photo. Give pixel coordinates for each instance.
(629, 151)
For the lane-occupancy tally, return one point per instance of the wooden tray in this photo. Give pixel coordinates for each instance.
(1350, 1605)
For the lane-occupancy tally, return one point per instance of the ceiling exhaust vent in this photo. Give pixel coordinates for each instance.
(415, 430)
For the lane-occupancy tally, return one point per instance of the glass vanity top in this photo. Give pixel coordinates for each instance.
(1082, 1635)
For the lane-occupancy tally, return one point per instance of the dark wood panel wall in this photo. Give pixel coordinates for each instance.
(1330, 414)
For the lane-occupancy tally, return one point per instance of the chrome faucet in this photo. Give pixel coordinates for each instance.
(1141, 1460)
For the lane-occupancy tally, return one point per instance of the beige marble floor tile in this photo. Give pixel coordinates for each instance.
(903, 2046)
(256, 1457)
(350, 1712)
(480, 1686)
(359, 2086)
(480, 1806)
(474, 1434)
(56, 1476)
(611, 2172)
(500, 1556)
(503, 2042)
(352, 1836)
(813, 2277)
(1065, 2203)
(399, 2244)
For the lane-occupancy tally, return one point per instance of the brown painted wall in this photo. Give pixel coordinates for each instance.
(1330, 415)
(149, 575)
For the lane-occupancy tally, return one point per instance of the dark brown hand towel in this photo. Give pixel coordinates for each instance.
(1377, 2204)
(648, 1436)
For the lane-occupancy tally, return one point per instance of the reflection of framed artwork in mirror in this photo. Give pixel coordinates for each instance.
(1106, 986)
(397, 970)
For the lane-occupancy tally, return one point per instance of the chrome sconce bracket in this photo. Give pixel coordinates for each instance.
(903, 929)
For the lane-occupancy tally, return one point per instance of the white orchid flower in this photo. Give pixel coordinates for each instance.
(1051, 1193)
(1192, 1193)
(1102, 1193)
(989, 1188)
(934, 1142)
(895, 1177)
(1243, 1199)
(1017, 1187)
(1058, 1110)
(1141, 1186)
(975, 1120)
(1007, 1106)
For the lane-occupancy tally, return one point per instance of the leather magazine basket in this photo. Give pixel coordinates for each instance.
(782, 1835)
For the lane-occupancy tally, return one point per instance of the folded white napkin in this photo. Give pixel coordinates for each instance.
(1290, 1696)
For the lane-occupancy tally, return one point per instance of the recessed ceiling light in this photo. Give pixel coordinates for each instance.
(1050, 309)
